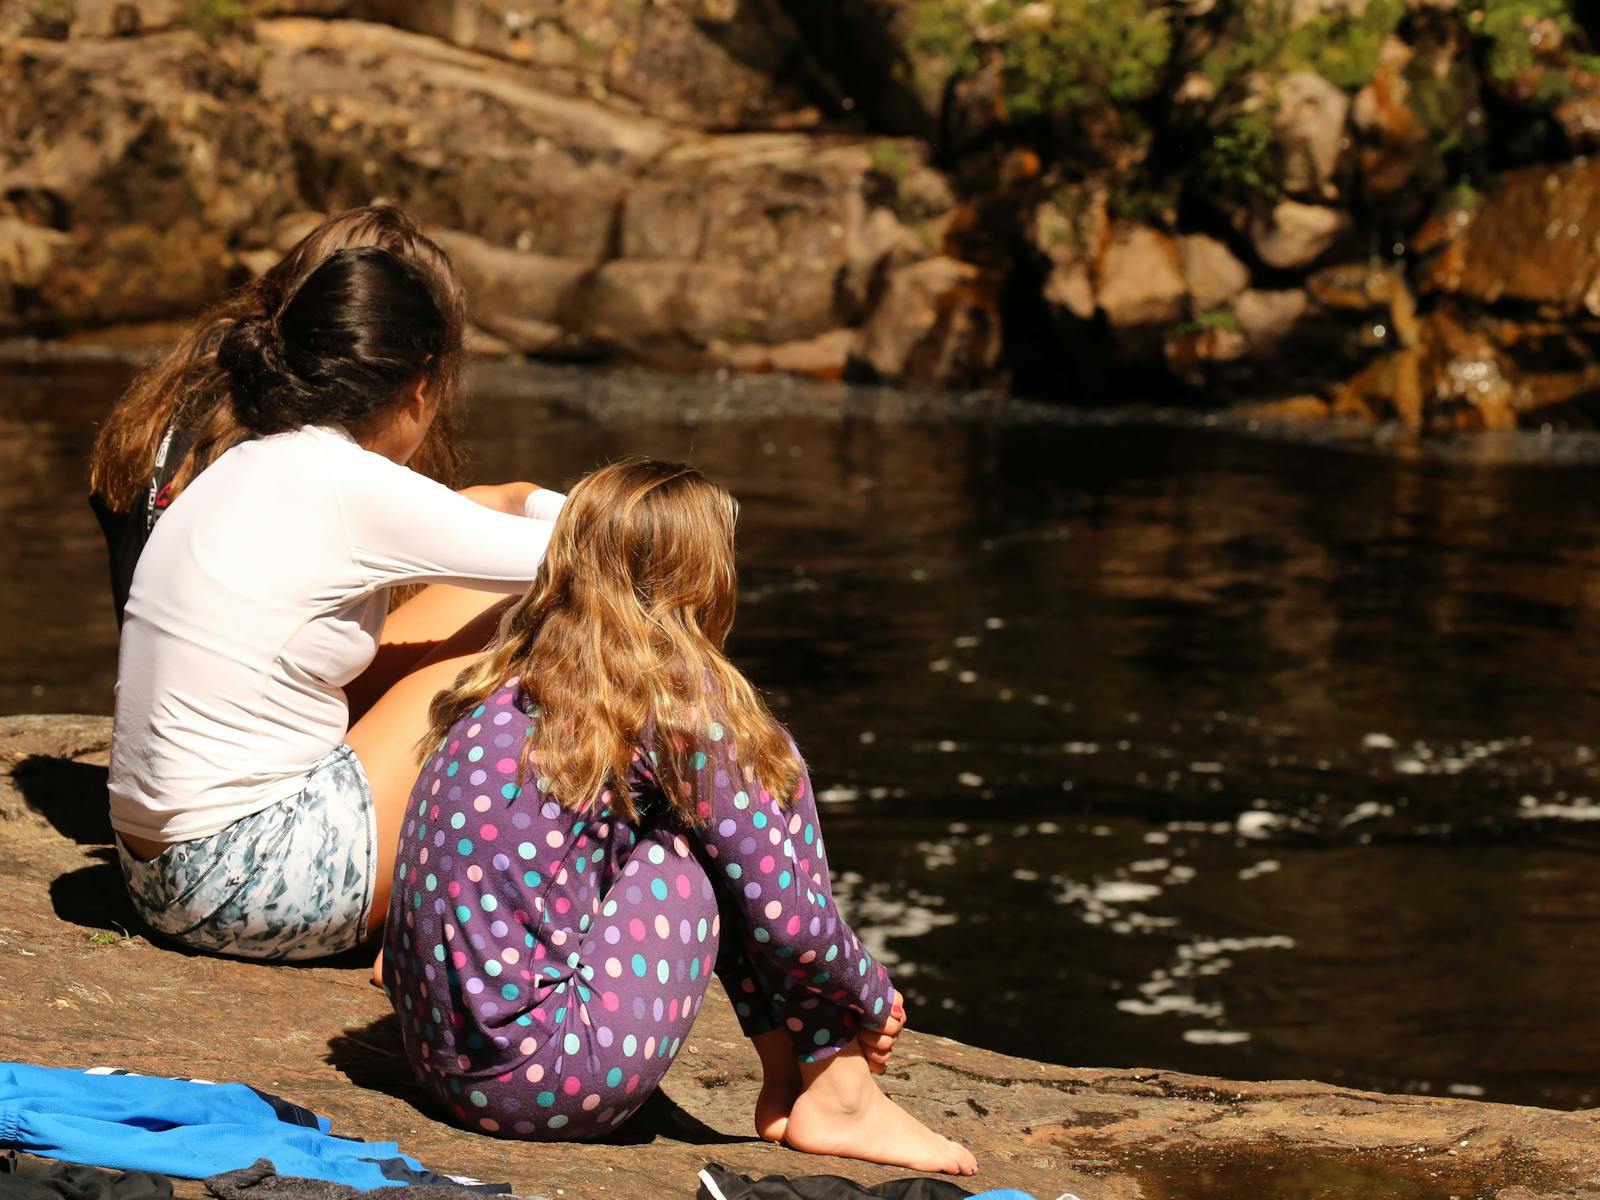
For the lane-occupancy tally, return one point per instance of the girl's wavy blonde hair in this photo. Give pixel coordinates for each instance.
(622, 632)
(186, 387)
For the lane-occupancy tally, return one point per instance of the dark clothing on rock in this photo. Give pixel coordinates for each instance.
(719, 1183)
(24, 1177)
(262, 1182)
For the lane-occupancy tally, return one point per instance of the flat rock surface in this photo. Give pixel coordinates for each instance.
(76, 990)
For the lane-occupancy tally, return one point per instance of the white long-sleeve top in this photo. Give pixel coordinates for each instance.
(259, 595)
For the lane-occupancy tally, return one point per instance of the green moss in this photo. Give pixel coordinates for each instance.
(1518, 52)
(1072, 215)
(892, 159)
(1343, 46)
(1441, 104)
(1054, 227)
(1260, 36)
(1217, 318)
(212, 19)
(1509, 26)
(940, 43)
(1242, 159)
(1146, 205)
(1056, 56)
(930, 235)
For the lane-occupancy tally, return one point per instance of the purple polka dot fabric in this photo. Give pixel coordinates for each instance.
(546, 965)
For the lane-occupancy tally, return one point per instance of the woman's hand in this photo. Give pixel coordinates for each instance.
(878, 1044)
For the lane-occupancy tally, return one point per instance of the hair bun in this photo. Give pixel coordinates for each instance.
(263, 386)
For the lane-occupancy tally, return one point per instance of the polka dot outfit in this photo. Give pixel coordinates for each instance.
(547, 965)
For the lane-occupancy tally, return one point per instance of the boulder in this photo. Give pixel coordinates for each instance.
(917, 302)
(1210, 271)
(825, 356)
(519, 298)
(27, 254)
(1310, 132)
(1137, 278)
(1266, 317)
(1289, 235)
(1070, 232)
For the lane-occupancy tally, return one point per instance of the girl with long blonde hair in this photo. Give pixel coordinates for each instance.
(607, 812)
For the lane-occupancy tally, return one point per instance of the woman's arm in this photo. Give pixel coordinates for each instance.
(518, 499)
(403, 527)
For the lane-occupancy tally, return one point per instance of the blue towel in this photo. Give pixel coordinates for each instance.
(187, 1128)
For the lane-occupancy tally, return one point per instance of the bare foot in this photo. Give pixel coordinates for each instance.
(780, 1084)
(377, 971)
(840, 1111)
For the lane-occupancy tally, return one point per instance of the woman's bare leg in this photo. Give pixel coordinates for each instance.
(385, 739)
(412, 632)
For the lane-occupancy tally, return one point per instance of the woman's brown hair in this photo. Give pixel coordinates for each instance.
(622, 632)
(186, 388)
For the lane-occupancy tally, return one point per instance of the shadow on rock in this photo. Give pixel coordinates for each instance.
(372, 1057)
(70, 795)
(95, 896)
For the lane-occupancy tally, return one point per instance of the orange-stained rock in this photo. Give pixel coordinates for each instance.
(1533, 240)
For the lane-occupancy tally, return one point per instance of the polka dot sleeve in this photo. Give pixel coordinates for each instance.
(771, 864)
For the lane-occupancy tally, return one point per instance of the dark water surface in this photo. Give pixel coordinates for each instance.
(1144, 741)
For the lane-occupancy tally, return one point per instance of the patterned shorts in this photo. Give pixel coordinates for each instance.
(293, 881)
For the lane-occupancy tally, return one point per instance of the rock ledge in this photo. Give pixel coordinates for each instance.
(76, 991)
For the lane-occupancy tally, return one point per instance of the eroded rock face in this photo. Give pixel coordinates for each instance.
(81, 980)
(143, 176)
(711, 63)
(825, 185)
(119, 157)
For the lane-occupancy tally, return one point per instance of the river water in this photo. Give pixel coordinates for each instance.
(1144, 740)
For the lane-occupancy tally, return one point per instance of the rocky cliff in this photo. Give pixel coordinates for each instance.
(1384, 203)
(77, 988)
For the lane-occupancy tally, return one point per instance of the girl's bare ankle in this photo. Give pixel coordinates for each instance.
(842, 1081)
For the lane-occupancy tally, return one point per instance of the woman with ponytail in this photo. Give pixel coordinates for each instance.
(176, 417)
(253, 817)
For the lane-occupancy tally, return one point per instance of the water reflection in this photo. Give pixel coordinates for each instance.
(1145, 741)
